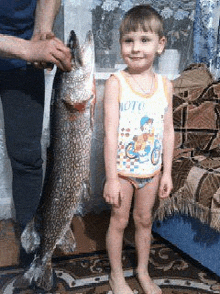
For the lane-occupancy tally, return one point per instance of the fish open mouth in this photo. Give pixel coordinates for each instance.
(78, 52)
(73, 44)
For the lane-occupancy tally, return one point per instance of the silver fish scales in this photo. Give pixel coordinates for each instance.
(68, 182)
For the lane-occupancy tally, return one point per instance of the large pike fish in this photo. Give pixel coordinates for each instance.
(68, 182)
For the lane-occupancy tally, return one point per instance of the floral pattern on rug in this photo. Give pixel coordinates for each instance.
(89, 274)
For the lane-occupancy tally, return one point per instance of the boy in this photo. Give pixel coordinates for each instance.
(132, 95)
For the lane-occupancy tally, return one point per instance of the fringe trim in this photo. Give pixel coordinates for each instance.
(179, 204)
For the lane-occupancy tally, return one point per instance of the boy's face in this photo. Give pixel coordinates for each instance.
(138, 49)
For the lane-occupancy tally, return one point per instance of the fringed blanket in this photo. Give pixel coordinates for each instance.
(196, 164)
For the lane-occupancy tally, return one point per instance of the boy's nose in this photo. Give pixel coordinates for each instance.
(136, 46)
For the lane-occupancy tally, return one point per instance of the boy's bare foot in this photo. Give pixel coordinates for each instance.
(119, 286)
(147, 284)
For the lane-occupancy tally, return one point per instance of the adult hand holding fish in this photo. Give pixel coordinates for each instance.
(47, 50)
(41, 50)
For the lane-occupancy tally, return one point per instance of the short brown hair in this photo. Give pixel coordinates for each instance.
(142, 17)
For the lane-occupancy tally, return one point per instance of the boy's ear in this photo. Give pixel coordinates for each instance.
(162, 44)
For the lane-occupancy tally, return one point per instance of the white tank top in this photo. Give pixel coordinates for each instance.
(140, 131)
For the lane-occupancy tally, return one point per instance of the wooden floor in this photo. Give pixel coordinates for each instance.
(9, 245)
(89, 231)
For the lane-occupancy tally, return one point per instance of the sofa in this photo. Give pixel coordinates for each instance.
(190, 217)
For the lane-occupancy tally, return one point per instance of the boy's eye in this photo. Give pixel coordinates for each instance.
(145, 40)
(129, 40)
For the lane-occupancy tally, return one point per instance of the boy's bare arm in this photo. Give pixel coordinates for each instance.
(168, 147)
(111, 121)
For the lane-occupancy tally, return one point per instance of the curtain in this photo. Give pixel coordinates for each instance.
(207, 35)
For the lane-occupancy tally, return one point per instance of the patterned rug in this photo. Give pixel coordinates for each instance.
(174, 272)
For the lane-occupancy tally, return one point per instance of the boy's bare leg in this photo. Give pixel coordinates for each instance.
(144, 202)
(114, 240)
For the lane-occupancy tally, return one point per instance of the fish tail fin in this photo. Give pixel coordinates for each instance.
(30, 238)
(39, 274)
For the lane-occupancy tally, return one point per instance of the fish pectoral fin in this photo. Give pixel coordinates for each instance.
(30, 238)
(67, 243)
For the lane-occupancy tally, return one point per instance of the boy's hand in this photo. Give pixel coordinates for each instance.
(166, 185)
(112, 192)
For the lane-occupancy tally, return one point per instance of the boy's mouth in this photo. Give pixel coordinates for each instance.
(136, 58)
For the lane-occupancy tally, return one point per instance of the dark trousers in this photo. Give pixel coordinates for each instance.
(22, 95)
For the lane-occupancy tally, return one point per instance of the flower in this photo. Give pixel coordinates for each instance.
(126, 5)
(166, 13)
(95, 3)
(109, 5)
(180, 14)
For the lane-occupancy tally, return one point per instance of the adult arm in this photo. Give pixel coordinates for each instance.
(45, 14)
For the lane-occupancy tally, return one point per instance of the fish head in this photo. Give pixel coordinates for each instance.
(78, 84)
